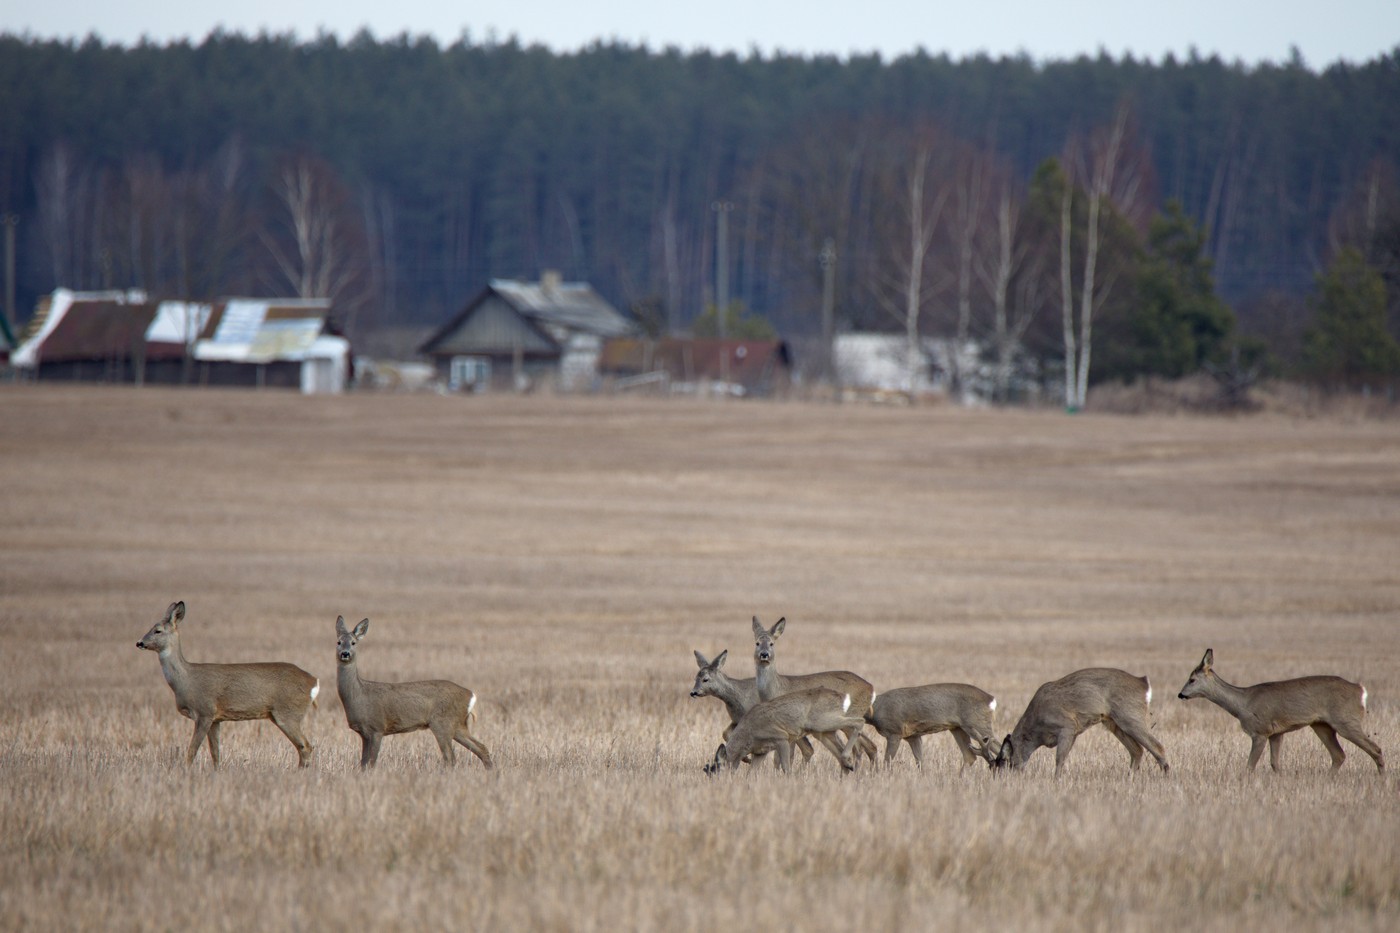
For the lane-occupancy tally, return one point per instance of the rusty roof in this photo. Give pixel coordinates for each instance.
(104, 330)
(747, 362)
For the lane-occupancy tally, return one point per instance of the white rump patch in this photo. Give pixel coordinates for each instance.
(992, 705)
(471, 704)
(315, 689)
(873, 695)
(1363, 695)
(1149, 693)
(846, 703)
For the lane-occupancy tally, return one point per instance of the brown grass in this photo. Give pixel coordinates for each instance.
(562, 557)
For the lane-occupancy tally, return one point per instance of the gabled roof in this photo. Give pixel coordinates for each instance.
(77, 326)
(550, 309)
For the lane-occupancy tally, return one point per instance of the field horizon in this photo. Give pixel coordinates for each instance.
(563, 557)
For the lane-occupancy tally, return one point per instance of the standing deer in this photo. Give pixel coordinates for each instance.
(375, 709)
(738, 694)
(771, 684)
(211, 694)
(1064, 708)
(776, 725)
(910, 713)
(1269, 711)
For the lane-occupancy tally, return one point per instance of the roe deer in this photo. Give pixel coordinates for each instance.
(771, 684)
(375, 709)
(1064, 708)
(910, 713)
(775, 725)
(211, 694)
(738, 694)
(1269, 711)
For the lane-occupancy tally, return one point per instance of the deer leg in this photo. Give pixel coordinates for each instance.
(964, 745)
(804, 745)
(892, 740)
(1275, 748)
(867, 745)
(1131, 744)
(1256, 749)
(369, 753)
(916, 748)
(1145, 739)
(784, 751)
(214, 742)
(473, 746)
(832, 744)
(201, 729)
(1328, 735)
(291, 728)
(1062, 749)
(1354, 735)
(444, 740)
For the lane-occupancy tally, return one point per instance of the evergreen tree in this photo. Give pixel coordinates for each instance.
(1348, 344)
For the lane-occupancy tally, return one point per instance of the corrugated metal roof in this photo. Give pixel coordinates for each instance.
(573, 305)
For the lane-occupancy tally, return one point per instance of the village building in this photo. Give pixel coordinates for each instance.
(681, 365)
(121, 337)
(521, 335)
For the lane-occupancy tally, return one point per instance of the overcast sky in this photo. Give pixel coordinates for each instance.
(1251, 31)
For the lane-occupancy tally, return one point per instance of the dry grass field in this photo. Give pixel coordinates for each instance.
(563, 557)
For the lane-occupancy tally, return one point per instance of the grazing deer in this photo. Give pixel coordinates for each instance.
(1064, 708)
(771, 684)
(738, 694)
(375, 709)
(211, 694)
(910, 713)
(776, 725)
(1269, 711)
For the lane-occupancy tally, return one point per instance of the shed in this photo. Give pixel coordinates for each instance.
(734, 367)
(517, 334)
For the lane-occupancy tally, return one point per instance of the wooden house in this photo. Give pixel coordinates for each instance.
(517, 335)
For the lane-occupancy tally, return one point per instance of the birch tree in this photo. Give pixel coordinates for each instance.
(905, 283)
(1114, 175)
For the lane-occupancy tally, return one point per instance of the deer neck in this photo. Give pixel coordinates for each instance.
(348, 683)
(729, 695)
(173, 665)
(767, 681)
(1234, 700)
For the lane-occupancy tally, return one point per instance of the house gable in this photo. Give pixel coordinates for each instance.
(490, 327)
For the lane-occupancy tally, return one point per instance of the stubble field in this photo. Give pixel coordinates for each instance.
(564, 557)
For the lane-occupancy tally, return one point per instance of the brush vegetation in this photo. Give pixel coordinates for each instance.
(562, 558)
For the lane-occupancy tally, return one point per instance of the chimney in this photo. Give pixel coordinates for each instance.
(550, 281)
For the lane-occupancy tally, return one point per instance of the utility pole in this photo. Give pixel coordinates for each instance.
(722, 209)
(11, 221)
(827, 258)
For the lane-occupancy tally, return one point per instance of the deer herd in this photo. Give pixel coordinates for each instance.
(776, 713)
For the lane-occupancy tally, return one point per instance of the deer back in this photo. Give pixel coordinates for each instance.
(1083, 698)
(1305, 700)
(788, 717)
(915, 710)
(248, 691)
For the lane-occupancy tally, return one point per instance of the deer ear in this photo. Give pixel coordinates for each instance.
(778, 627)
(700, 660)
(340, 625)
(758, 630)
(1208, 659)
(719, 661)
(361, 629)
(176, 613)
(1005, 752)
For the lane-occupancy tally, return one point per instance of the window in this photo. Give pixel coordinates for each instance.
(469, 373)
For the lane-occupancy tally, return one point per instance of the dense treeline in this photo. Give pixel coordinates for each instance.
(399, 175)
